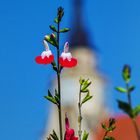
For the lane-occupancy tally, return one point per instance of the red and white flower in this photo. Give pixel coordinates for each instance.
(69, 133)
(46, 56)
(66, 59)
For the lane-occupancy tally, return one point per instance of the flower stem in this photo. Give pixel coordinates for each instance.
(59, 84)
(80, 115)
(133, 120)
(105, 135)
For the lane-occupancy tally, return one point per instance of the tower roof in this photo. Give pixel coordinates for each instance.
(79, 36)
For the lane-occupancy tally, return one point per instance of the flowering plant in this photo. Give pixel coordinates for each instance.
(66, 60)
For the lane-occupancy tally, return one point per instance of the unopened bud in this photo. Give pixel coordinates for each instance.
(66, 47)
(46, 45)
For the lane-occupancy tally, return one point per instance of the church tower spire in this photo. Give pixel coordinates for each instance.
(79, 36)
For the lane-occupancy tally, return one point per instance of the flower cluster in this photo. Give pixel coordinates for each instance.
(65, 60)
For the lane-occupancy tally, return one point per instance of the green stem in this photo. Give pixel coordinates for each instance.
(133, 120)
(59, 85)
(105, 135)
(80, 115)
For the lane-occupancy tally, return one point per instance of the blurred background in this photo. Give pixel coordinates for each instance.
(110, 34)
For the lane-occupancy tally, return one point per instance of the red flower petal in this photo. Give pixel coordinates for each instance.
(67, 63)
(45, 60)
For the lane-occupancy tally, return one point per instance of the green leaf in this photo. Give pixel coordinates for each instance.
(108, 138)
(49, 93)
(111, 128)
(51, 99)
(120, 89)
(136, 111)
(85, 135)
(64, 30)
(87, 97)
(53, 28)
(85, 85)
(81, 80)
(126, 73)
(131, 88)
(56, 20)
(54, 136)
(126, 108)
(104, 126)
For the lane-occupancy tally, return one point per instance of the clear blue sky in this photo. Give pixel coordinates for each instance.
(114, 26)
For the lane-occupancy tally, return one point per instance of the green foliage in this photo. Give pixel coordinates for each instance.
(132, 88)
(86, 98)
(125, 107)
(64, 30)
(54, 99)
(126, 73)
(53, 28)
(120, 89)
(84, 84)
(111, 126)
(85, 135)
(56, 20)
(53, 136)
(136, 111)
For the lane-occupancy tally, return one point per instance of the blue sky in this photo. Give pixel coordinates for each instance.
(114, 26)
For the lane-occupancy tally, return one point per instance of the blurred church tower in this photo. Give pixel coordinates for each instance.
(94, 110)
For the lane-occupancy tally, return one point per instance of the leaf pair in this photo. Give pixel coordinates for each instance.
(123, 90)
(84, 84)
(111, 126)
(132, 113)
(64, 30)
(54, 99)
(85, 135)
(53, 136)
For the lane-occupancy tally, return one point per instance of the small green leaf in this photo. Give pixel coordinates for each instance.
(81, 80)
(56, 20)
(131, 88)
(54, 136)
(49, 93)
(120, 89)
(53, 28)
(87, 97)
(51, 99)
(111, 128)
(136, 111)
(126, 73)
(85, 135)
(126, 108)
(64, 30)
(108, 138)
(85, 84)
(104, 126)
